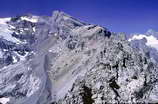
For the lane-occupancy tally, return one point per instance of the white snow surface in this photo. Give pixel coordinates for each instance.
(151, 40)
(5, 31)
(33, 19)
(4, 20)
(4, 100)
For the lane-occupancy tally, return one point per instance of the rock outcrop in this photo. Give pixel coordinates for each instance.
(60, 60)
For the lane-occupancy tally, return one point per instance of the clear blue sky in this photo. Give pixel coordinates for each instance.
(117, 15)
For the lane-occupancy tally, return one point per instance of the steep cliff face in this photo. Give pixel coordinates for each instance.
(61, 60)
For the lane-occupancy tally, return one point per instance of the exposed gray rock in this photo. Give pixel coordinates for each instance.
(60, 60)
(120, 75)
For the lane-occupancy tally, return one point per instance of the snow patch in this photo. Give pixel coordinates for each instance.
(33, 19)
(151, 40)
(4, 20)
(5, 32)
(4, 100)
(12, 27)
(34, 29)
(14, 59)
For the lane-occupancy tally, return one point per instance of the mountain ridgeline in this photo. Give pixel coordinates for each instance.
(60, 60)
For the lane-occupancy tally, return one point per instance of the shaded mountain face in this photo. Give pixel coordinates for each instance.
(60, 60)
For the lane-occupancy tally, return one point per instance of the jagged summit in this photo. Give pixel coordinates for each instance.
(61, 60)
(59, 16)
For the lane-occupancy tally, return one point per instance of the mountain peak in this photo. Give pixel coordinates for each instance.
(58, 13)
(61, 59)
(62, 18)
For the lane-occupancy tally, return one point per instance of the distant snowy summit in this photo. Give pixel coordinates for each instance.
(147, 41)
(61, 60)
(150, 36)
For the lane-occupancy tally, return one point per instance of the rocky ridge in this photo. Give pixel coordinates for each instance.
(64, 61)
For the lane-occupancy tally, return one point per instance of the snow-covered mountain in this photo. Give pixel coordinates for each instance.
(61, 60)
(147, 42)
